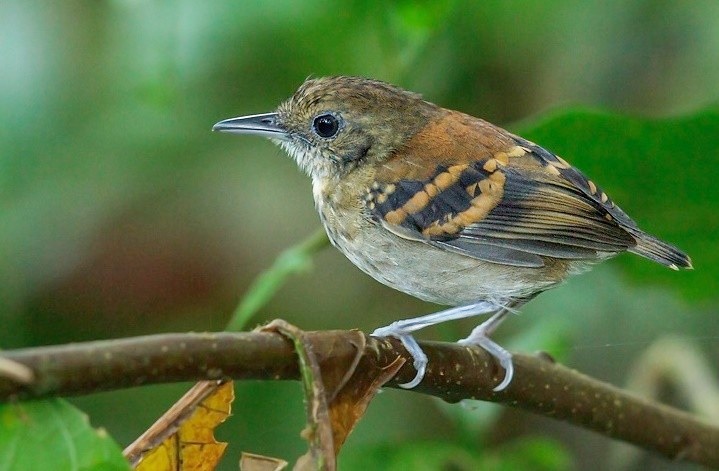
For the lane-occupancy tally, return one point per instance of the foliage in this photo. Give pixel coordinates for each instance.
(526, 454)
(53, 434)
(657, 170)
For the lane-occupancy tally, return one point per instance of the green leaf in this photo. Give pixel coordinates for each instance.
(660, 171)
(54, 435)
(522, 454)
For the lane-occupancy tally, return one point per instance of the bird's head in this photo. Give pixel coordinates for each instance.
(333, 125)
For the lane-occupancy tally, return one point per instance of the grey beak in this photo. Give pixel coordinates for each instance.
(258, 124)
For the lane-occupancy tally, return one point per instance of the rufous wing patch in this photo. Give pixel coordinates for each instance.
(489, 196)
(452, 198)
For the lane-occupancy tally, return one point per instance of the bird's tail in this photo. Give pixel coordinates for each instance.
(654, 249)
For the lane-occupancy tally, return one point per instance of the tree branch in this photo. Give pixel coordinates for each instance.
(454, 373)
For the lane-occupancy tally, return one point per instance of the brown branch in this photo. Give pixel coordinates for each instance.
(454, 373)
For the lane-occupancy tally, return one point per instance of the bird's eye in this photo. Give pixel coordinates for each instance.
(326, 125)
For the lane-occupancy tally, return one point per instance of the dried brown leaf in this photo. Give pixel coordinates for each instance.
(336, 395)
(183, 438)
(253, 462)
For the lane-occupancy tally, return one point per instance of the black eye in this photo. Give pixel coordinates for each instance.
(326, 125)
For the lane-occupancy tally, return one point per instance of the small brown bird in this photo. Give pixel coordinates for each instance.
(444, 206)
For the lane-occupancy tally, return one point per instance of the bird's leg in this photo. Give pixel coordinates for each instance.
(402, 330)
(480, 336)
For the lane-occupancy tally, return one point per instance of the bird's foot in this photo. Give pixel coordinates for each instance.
(403, 329)
(480, 337)
(410, 344)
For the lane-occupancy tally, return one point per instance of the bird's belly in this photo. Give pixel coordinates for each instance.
(436, 275)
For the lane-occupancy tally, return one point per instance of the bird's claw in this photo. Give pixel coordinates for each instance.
(402, 330)
(503, 357)
(508, 366)
(415, 351)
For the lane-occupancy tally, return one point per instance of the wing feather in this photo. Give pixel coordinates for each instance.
(512, 211)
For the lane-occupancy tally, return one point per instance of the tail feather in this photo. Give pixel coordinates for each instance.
(661, 252)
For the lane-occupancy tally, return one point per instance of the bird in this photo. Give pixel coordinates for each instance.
(445, 206)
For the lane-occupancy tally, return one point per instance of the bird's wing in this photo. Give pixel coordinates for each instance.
(511, 207)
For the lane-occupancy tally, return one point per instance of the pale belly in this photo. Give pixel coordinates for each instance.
(422, 270)
(437, 275)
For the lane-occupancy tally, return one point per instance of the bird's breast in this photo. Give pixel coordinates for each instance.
(341, 210)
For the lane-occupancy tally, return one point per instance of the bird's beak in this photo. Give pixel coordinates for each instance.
(258, 124)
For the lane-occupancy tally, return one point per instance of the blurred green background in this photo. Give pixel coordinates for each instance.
(122, 214)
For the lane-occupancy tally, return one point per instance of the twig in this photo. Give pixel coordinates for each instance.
(15, 371)
(454, 373)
